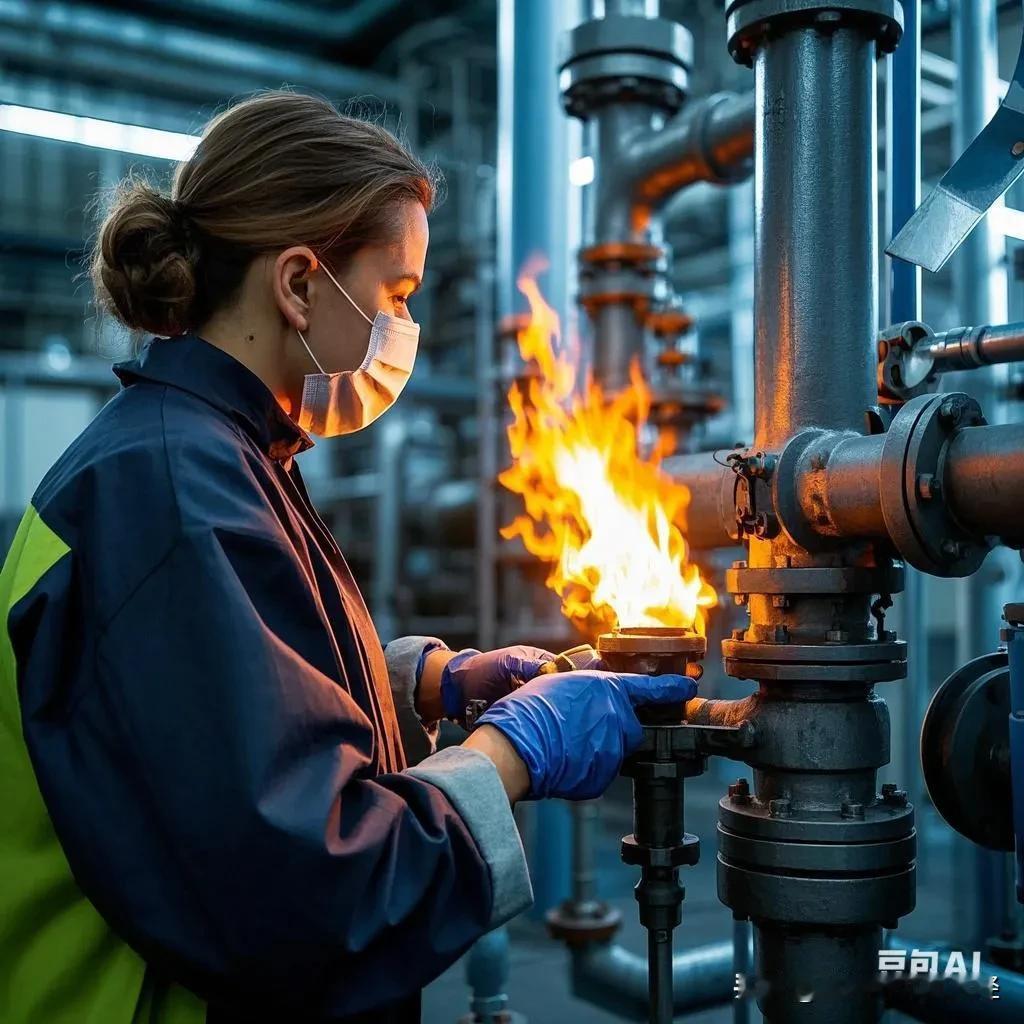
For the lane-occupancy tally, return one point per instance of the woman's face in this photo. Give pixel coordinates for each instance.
(377, 278)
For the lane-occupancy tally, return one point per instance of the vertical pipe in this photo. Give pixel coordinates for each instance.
(903, 155)
(533, 185)
(741, 965)
(815, 289)
(979, 603)
(659, 966)
(488, 417)
(741, 289)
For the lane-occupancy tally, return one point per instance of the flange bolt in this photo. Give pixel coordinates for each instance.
(929, 487)
(780, 807)
(894, 796)
(739, 791)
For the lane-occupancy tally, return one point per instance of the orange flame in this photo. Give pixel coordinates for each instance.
(607, 519)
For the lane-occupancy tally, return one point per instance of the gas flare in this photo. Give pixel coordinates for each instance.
(607, 519)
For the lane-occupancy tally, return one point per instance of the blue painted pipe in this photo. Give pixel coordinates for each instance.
(1014, 635)
(905, 161)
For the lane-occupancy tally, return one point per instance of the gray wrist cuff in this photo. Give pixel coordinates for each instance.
(471, 782)
(419, 738)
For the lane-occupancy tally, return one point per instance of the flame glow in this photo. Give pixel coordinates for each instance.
(608, 520)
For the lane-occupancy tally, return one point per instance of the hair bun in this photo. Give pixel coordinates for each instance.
(144, 266)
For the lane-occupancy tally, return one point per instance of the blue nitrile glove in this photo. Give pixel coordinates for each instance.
(471, 675)
(573, 729)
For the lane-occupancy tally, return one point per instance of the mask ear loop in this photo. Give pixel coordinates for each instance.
(347, 296)
(313, 265)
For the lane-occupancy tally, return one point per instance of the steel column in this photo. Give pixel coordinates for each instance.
(815, 277)
(978, 597)
(903, 155)
(534, 195)
(791, 852)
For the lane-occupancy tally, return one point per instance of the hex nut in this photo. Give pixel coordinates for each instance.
(929, 487)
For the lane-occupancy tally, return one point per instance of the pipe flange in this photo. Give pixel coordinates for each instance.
(639, 254)
(965, 751)
(653, 640)
(851, 865)
(625, 59)
(814, 581)
(881, 822)
(682, 407)
(838, 858)
(797, 672)
(685, 853)
(749, 22)
(913, 463)
(874, 662)
(824, 899)
(581, 923)
(622, 272)
(823, 656)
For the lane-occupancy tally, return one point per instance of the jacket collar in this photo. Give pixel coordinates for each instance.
(194, 365)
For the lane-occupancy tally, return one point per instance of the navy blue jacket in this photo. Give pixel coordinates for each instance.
(208, 717)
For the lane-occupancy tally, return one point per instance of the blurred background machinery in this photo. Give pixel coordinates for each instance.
(613, 138)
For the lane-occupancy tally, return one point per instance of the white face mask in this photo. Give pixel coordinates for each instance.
(347, 401)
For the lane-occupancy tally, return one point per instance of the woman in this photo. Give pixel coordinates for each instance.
(207, 808)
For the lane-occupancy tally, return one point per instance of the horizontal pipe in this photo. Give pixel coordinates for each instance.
(711, 140)
(711, 516)
(80, 23)
(289, 19)
(984, 480)
(612, 977)
(851, 493)
(968, 348)
(946, 1002)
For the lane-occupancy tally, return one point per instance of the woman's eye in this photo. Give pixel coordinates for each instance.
(399, 300)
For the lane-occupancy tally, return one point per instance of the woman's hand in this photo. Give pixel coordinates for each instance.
(456, 679)
(572, 730)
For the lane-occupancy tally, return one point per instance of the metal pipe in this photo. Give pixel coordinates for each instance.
(612, 977)
(952, 1002)
(741, 944)
(815, 263)
(822, 732)
(711, 140)
(488, 418)
(317, 23)
(534, 192)
(984, 482)
(978, 598)
(970, 348)
(710, 516)
(851, 497)
(81, 24)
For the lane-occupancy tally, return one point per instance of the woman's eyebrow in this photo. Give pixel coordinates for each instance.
(416, 280)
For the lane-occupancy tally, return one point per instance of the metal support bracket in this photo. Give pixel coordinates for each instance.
(985, 170)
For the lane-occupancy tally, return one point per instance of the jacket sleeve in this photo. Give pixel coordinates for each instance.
(213, 795)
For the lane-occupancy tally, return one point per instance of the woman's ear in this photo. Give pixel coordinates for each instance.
(291, 274)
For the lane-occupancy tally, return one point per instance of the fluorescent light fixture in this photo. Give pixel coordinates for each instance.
(581, 171)
(1007, 220)
(90, 131)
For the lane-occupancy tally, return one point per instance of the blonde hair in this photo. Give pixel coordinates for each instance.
(278, 169)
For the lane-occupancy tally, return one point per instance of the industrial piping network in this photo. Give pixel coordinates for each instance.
(856, 467)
